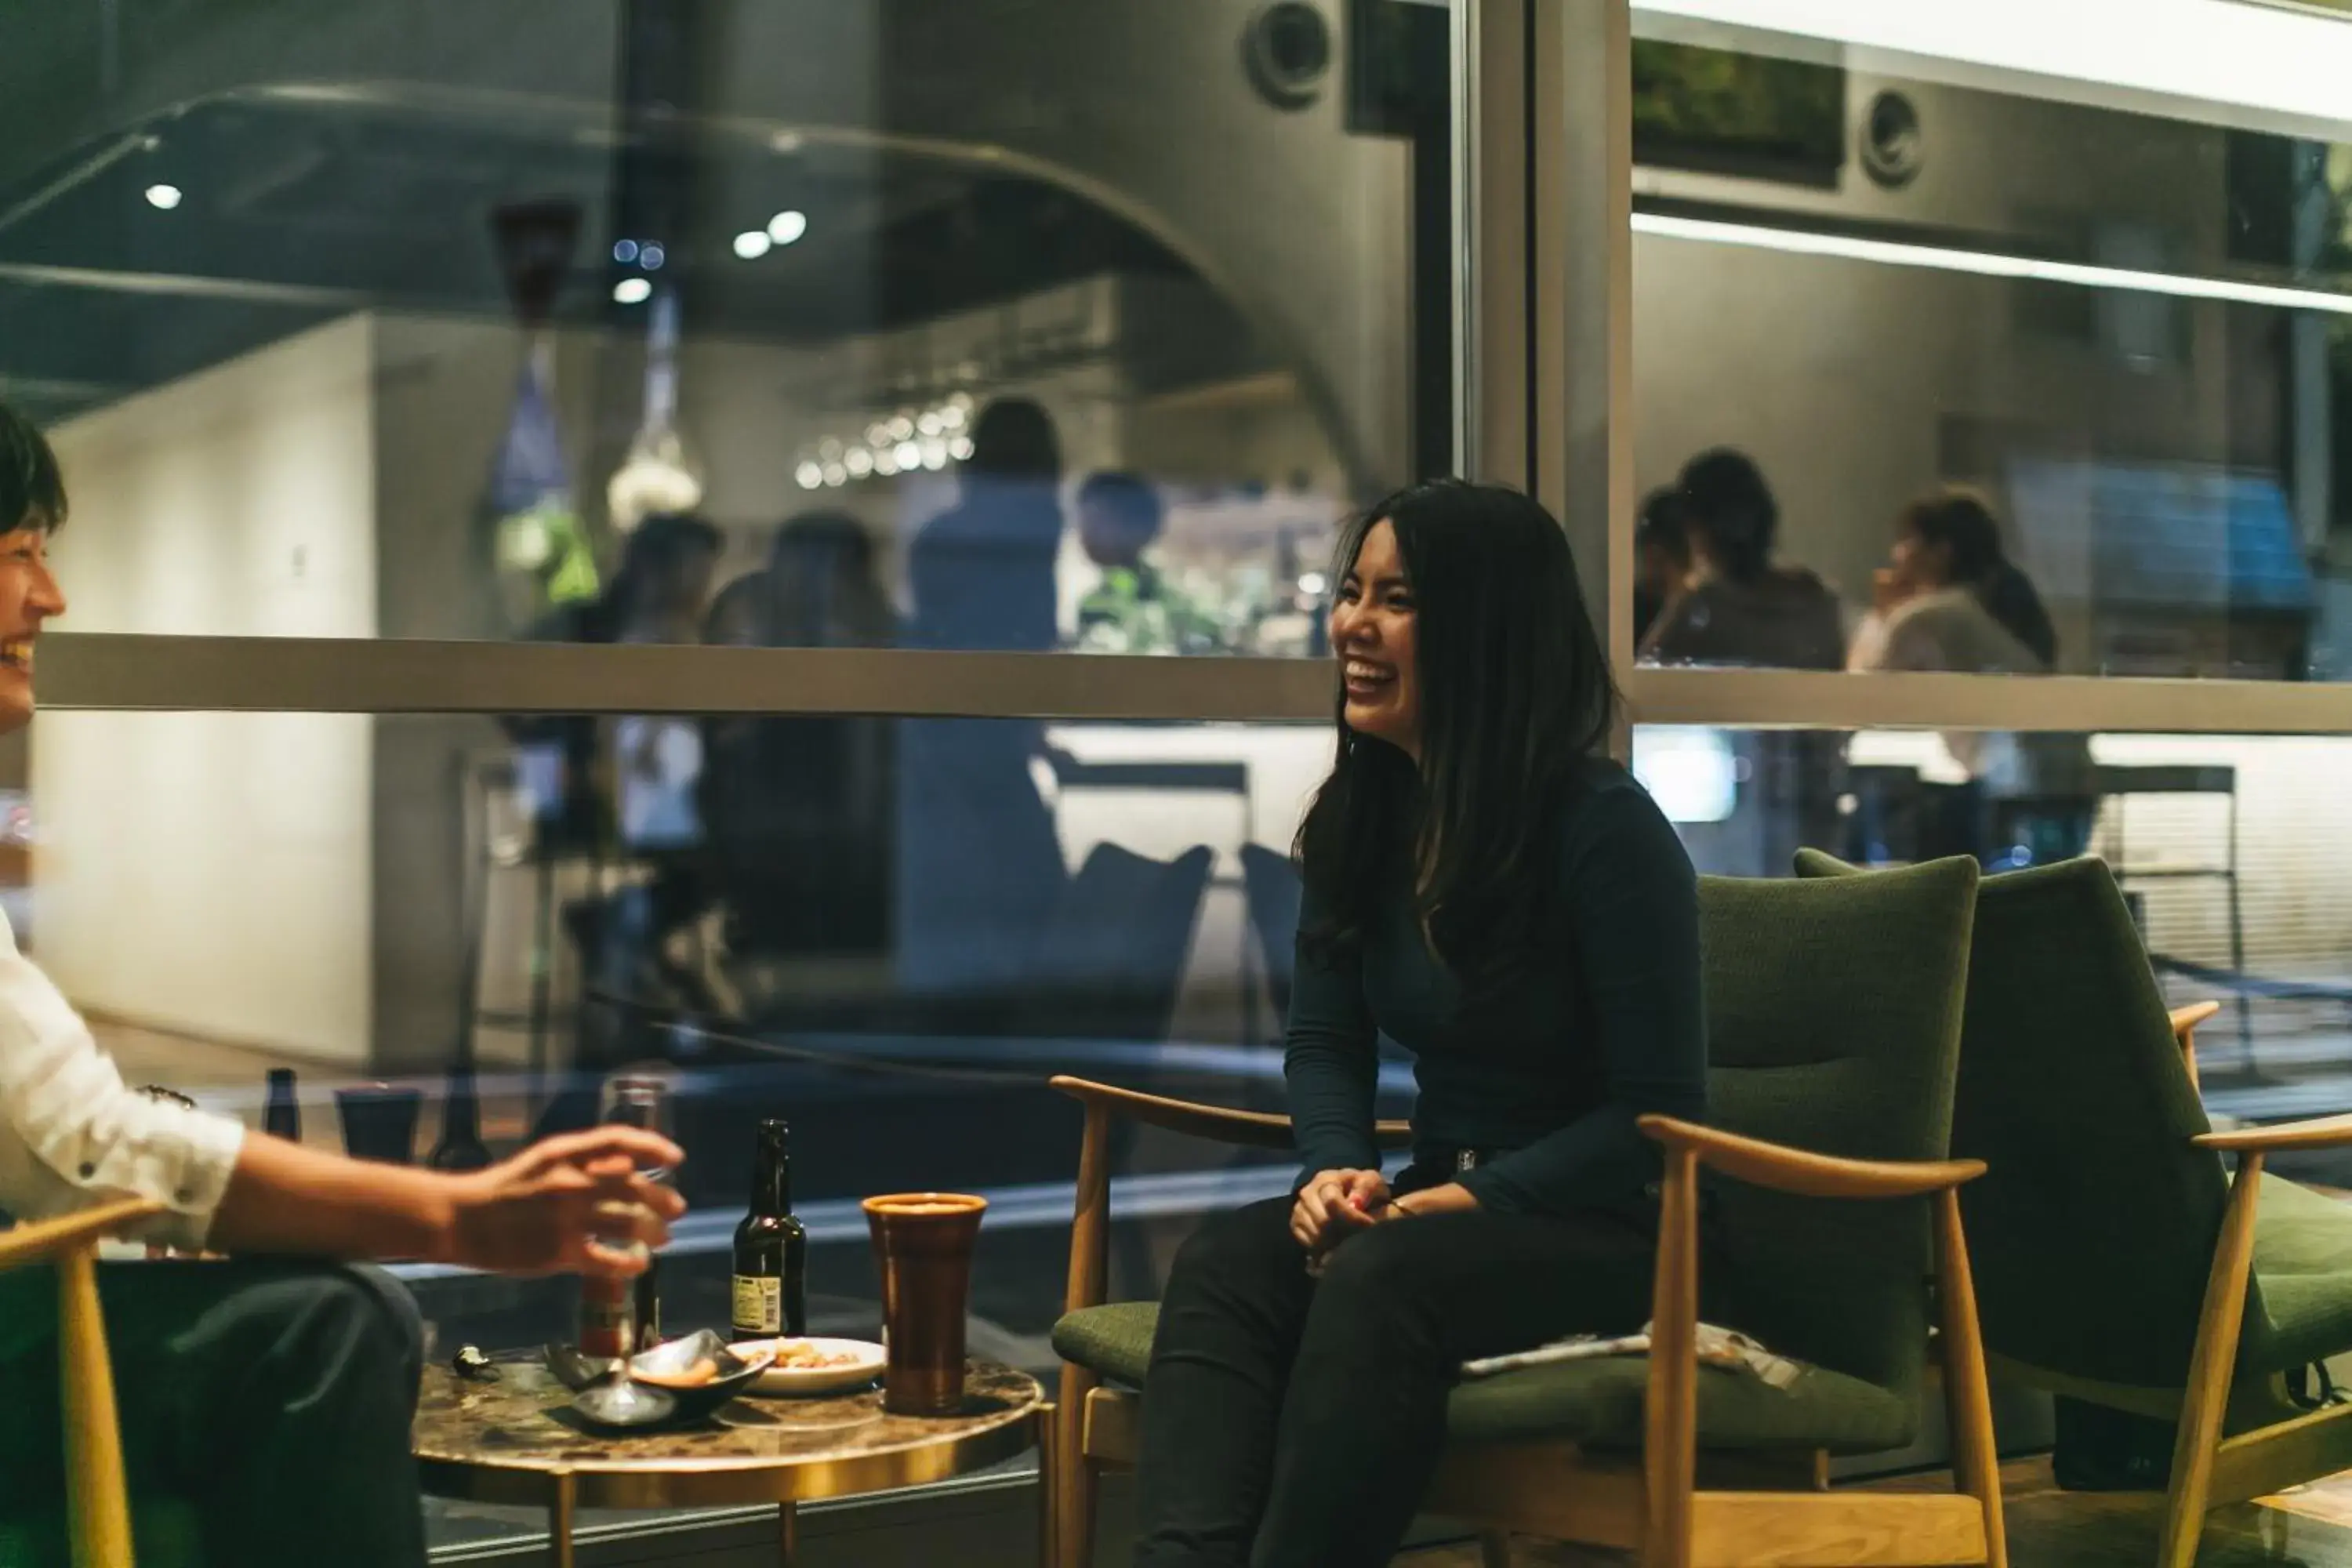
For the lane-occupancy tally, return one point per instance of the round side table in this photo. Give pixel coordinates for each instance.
(515, 1440)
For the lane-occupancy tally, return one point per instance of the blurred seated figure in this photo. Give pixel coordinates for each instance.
(799, 811)
(657, 596)
(1662, 560)
(1950, 598)
(1134, 608)
(1740, 606)
(980, 864)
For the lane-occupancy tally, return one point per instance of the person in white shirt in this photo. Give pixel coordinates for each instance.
(1950, 598)
(274, 1390)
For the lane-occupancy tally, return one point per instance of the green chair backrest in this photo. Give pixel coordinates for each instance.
(2093, 1230)
(1833, 1024)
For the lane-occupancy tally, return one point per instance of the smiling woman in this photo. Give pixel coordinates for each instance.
(1473, 851)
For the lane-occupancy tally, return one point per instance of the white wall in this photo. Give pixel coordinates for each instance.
(209, 872)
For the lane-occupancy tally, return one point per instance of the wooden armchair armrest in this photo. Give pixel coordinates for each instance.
(2184, 1032)
(1809, 1175)
(2320, 1132)
(1090, 1221)
(1255, 1129)
(44, 1240)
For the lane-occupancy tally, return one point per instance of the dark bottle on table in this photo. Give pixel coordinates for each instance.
(770, 1282)
(460, 1146)
(282, 1116)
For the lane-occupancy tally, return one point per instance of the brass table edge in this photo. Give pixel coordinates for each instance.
(644, 1484)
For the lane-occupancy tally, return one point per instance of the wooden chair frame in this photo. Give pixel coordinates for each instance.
(1674, 1507)
(97, 1495)
(2232, 1443)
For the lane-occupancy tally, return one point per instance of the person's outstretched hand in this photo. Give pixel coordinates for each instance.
(567, 1205)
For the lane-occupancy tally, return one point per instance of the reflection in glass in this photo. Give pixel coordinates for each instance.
(421, 343)
(2230, 850)
(2124, 332)
(890, 933)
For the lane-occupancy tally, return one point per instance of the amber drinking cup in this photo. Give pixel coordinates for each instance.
(922, 1245)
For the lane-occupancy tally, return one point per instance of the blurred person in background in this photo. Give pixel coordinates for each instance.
(273, 1391)
(980, 865)
(644, 808)
(1134, 608)
(1950, 598)
(1740, 606)
(800, 810)
(1662, 560)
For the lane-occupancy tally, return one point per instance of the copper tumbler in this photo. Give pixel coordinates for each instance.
(922, 1244)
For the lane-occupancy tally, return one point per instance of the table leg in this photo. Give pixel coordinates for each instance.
(788, 1533)
(559, 1520)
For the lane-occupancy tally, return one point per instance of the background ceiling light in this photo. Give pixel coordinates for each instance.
(632, 291)
(1990, 264)
(752, 243)
(787, 225)
(162, 197)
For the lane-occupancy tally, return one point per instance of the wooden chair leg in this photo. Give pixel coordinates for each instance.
(1074, 1475)
(1494, 1549)
(100, 1518)
(2209, 1371)
(1968, 1396)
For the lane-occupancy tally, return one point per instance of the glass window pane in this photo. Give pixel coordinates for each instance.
(1868, 283)
(2228, 850)
(890, 933)
(399, 320)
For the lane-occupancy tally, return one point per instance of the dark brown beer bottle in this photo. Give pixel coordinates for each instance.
(771, 1247)
(460, 1147)
(281, 1115)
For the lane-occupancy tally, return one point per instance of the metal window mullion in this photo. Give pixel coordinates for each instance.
(86, 671)
(1765, 699)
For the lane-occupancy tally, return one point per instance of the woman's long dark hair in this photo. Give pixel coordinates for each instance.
(1964, 526)
(1516, 697)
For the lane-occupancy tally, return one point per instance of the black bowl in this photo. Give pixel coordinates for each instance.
(655, 1369)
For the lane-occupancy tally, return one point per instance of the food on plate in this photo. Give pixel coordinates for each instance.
(799, 1355)
(694, 1377)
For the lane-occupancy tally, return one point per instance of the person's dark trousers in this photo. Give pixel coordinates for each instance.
(1290, 1422)
(274, 1397)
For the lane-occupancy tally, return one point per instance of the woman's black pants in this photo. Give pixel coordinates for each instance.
(1291, 1422)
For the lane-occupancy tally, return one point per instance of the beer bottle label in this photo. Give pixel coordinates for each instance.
(759, 1305)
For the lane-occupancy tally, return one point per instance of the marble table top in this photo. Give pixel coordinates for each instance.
(504, 1441)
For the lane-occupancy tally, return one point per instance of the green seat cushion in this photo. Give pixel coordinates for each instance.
(1113, 1341)
(1596, 1402)
(163, 1536)
(2302, 1268)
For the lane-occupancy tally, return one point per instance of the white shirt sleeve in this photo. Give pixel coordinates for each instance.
(72, 1134)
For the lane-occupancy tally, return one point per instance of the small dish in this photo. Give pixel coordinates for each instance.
(864, 1366)
(665, 1366)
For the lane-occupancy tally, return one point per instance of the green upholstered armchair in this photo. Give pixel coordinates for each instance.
(1833, 1024)
(2116, 1262)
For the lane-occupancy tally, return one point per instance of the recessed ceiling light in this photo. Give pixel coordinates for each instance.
(162, 197)
(651, 256)
(787, 226)
(632, 291)
(752, 243)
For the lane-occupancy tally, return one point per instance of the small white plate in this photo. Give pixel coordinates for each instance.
(783, 1379)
